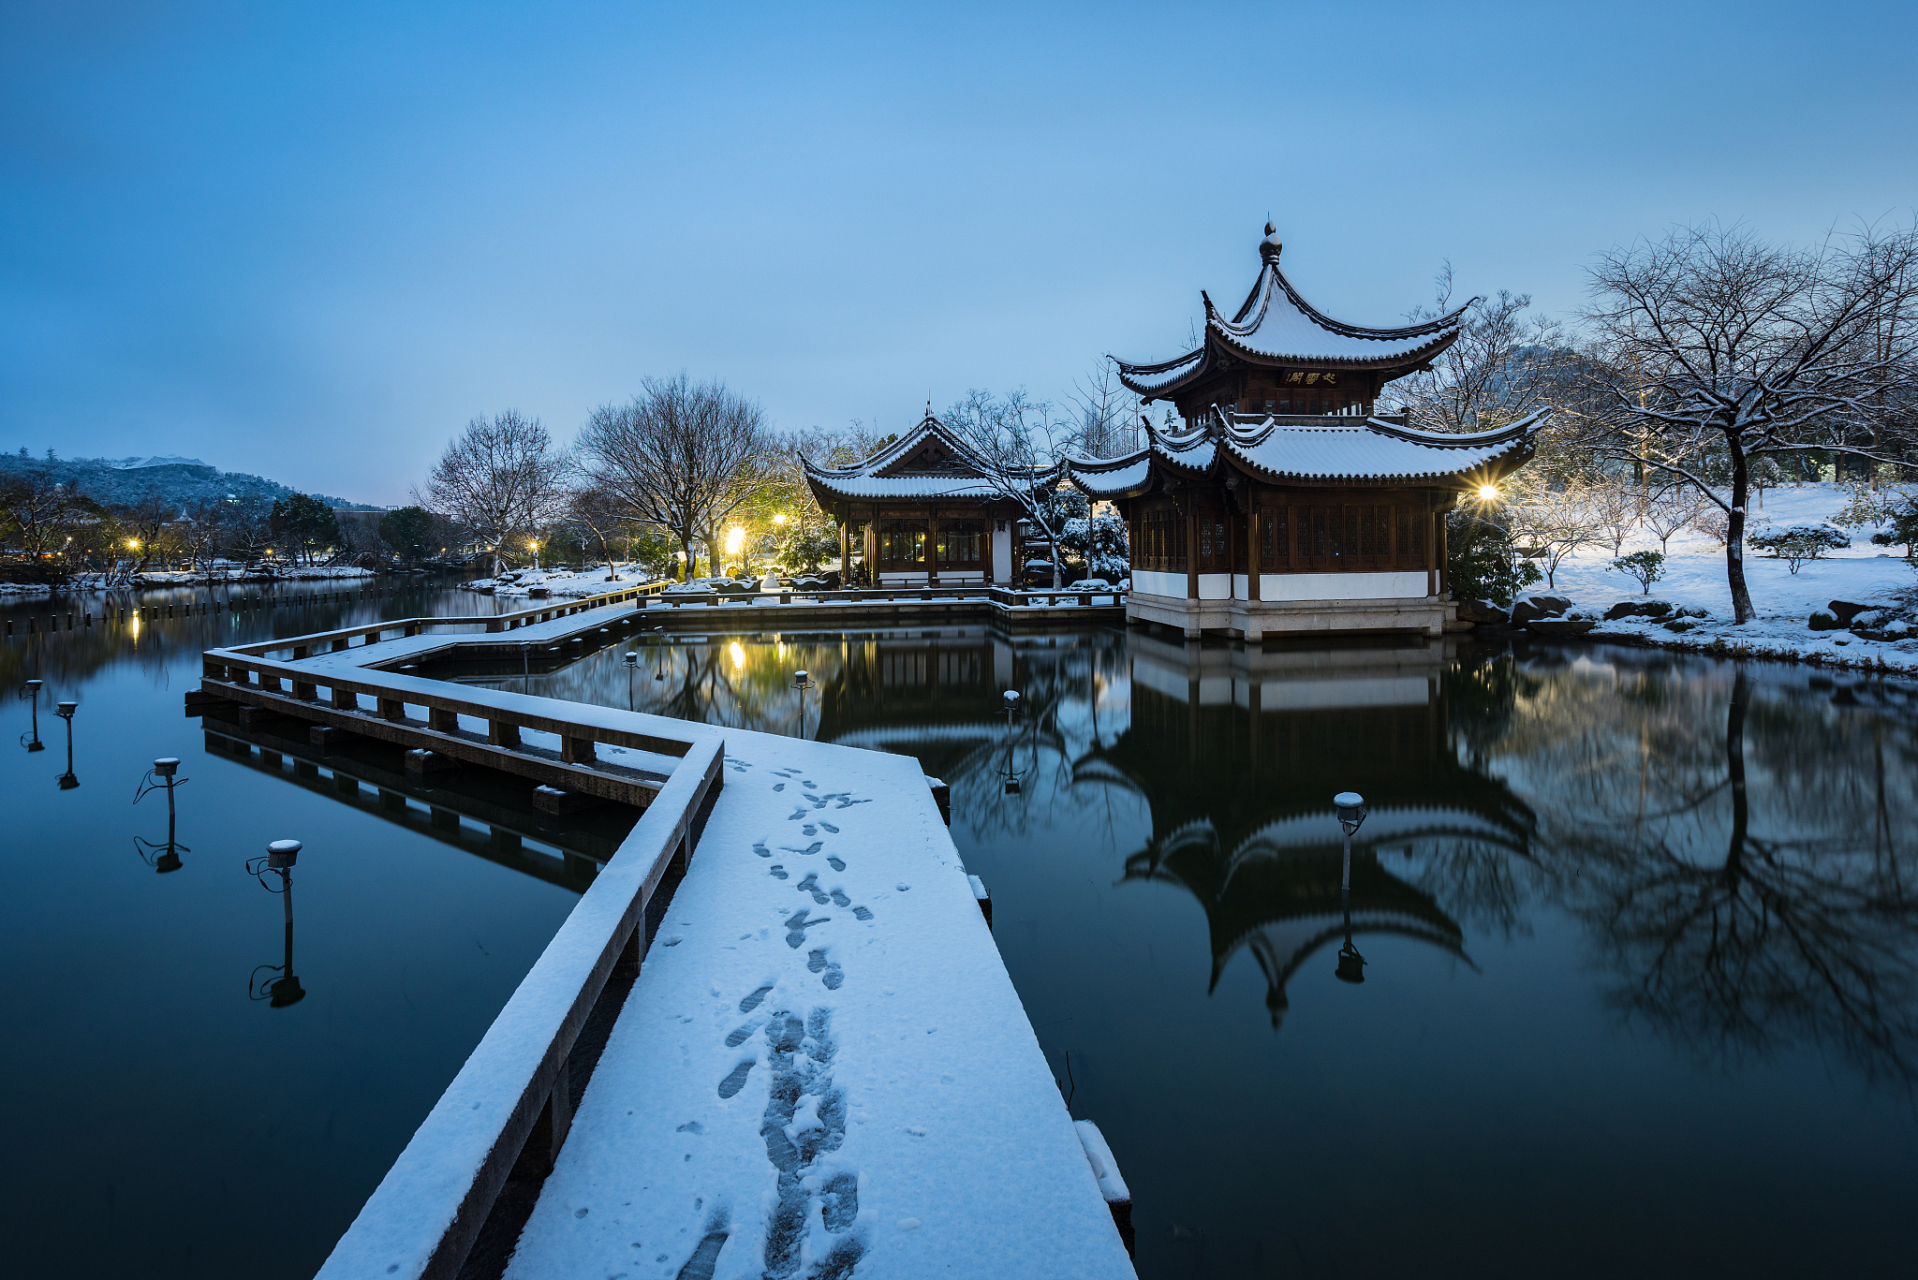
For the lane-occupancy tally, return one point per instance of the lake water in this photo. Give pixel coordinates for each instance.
(1638, 937)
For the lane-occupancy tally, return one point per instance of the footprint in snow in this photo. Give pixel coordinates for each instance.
(812, 848)
(862, 913)
(840, 899)
(779, 786)
(735, 1079)
(836, 863)
(830, 827)
(751, 1002)
(691, 1126)
(847, 804)
(809, 830)
(778, 872)
(797, 814)
(736, 1038)
(759, 847)
(796, 926)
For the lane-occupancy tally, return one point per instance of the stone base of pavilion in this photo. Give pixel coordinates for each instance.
(1254, 620)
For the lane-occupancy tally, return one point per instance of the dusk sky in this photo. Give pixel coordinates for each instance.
(311, 240)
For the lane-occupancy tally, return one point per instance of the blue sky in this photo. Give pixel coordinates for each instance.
(311, 240)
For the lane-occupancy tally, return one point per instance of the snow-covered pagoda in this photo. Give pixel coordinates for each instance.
(926, 510)
(1284, 503)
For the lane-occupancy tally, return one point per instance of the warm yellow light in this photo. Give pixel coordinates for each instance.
(532, 544)
(735, 540)
(133, 544)
(1488, 493)
(739, 655)
(780, 518)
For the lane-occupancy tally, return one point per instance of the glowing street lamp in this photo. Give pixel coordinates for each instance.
(780, 518)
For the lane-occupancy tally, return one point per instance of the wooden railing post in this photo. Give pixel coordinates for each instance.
(501, 734)
(576, 750)
(345, 699)
(443, 721)
(392, 709)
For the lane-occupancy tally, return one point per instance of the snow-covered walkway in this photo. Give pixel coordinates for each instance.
(823, 1061)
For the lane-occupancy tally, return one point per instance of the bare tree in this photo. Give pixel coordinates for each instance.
(1673, 508)
(1014, 443)
(679, 456)
(1722, 350)
(1503, 366)
(1108, 413)
(501, 479)
(1617, 508)
(1550, 524)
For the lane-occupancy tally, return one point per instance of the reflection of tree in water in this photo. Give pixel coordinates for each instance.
(1745, 909)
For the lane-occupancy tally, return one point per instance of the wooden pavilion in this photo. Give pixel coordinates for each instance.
(1285, 504)
(926, 512)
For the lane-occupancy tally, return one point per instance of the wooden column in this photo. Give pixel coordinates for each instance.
(1191, 549)
(1254, 521)
(845, 553)
(872, 552)
(932, 548)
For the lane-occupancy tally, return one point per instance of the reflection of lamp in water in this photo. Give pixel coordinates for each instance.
(802, 681)
(33, 695)
(284, 990)
(161, 857)
(659, 672)
(1351, 807)
(632, 665)
(65, 711)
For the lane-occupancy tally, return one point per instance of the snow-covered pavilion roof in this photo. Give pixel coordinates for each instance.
(1276, 326)
(1318, 449)
(928, 462)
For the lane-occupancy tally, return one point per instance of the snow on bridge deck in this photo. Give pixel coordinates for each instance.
(823, 1061)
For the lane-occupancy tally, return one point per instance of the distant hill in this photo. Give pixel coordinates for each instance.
(174, 480)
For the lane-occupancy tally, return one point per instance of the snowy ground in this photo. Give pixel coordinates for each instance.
(566, 584)
(1695, 578)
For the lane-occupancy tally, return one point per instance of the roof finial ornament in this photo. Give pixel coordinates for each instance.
(1270, 246)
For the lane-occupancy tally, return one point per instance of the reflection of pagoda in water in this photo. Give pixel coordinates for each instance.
(1239, 755)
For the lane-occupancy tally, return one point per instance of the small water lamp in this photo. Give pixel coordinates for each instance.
(161, 857)
(284, 990)
(802, 681)
(65, 711)
(1350, 806)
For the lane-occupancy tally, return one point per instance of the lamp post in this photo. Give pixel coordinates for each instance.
(281, 855)
(33, 695)
(632, 665)
(65, 711)
(1351, 810)
(802, 681)
(1012, 779)
(166, 857)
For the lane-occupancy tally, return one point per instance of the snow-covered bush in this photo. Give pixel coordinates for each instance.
(1801, 542)
(1824, 620)
(1646, 566)
(1101, 542)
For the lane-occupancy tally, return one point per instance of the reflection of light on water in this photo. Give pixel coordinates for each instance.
(782, 652)
(739, 655)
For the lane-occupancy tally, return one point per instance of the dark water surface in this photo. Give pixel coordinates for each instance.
(1639, 937)
(159, 1119)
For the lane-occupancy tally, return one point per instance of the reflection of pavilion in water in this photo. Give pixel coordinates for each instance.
(932, 696)
(1239, 755)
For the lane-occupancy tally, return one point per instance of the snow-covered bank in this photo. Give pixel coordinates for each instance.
(159, 579)
(567, 584)
(1695, 579)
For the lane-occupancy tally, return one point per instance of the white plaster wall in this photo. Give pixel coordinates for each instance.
(1002, 557)
(1153, 582)
(902, 579)
(1241, 587)
(1215, 586)
(1396, 585)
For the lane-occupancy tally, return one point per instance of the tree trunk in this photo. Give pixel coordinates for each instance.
(1735, 533)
